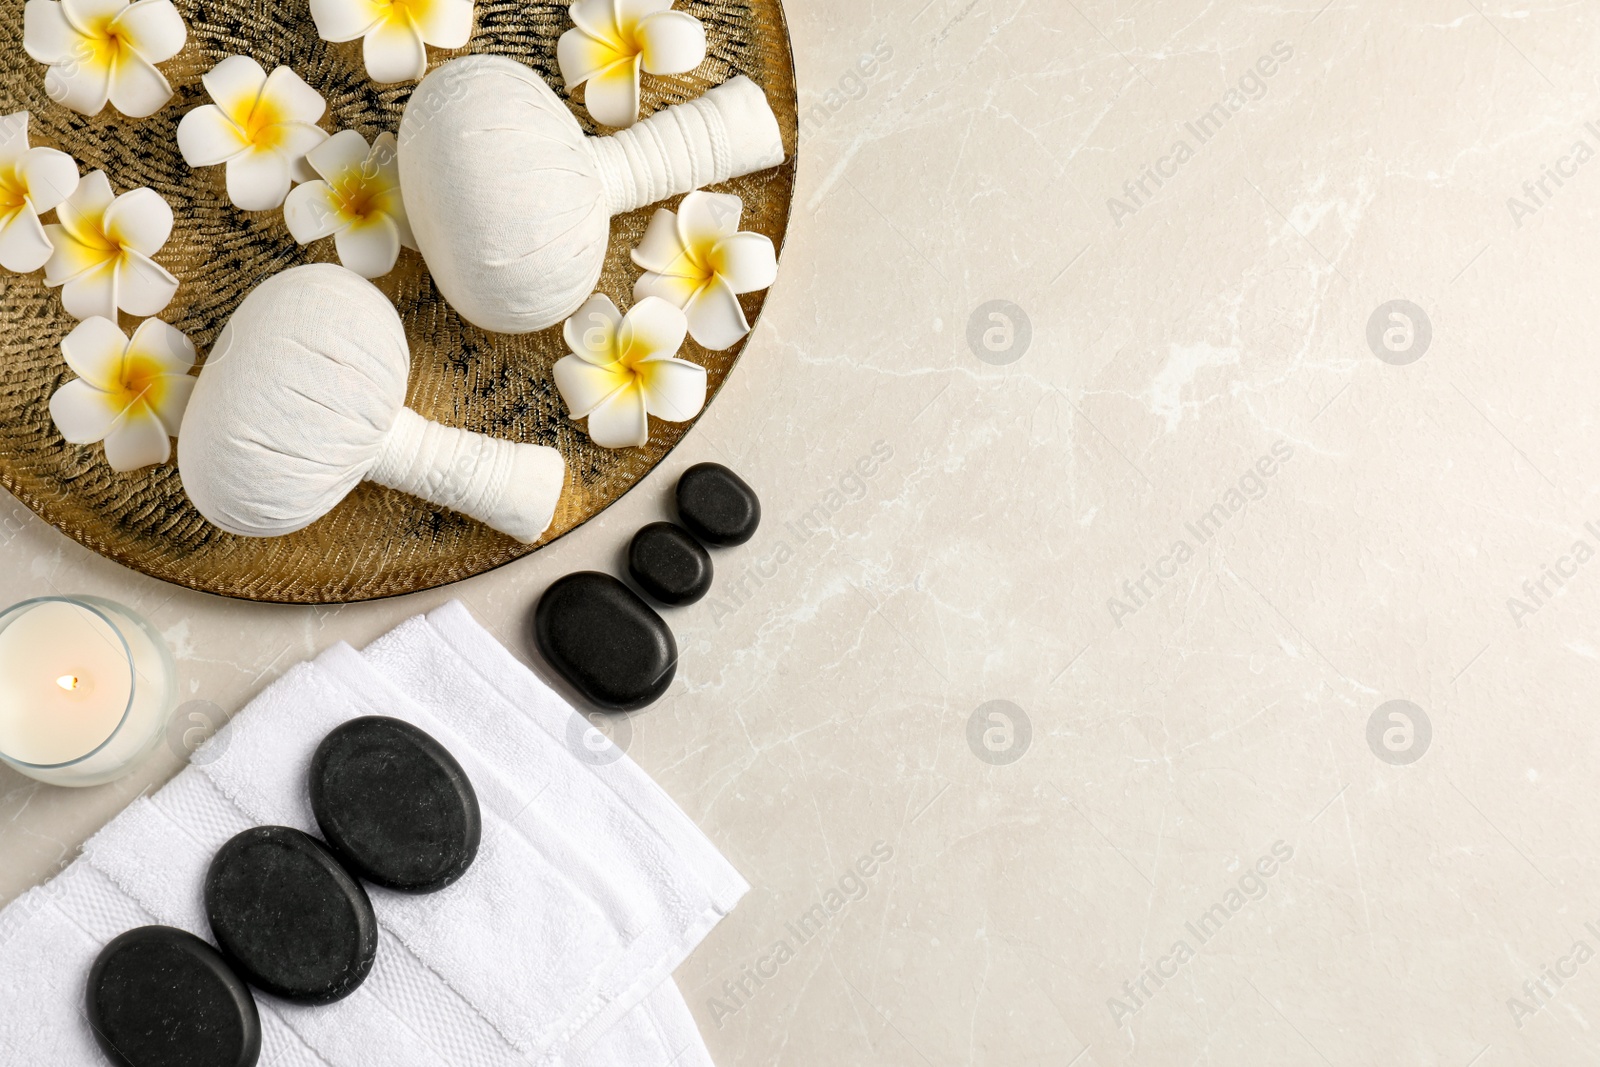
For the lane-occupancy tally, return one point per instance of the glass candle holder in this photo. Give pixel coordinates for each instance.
(87, 689)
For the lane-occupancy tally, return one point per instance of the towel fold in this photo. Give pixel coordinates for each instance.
(555, 949)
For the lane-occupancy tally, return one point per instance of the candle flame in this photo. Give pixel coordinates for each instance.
(68, 682)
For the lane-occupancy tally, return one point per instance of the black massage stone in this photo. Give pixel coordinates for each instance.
(717, 505)
(289, 919)
(394, 805)
(603, 639)
(669, 564)
(161, 997)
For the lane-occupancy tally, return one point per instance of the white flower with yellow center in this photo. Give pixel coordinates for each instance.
(624, 368)
(103, 249)
(394, 32)
(700, 261)
(613, 40)
(129, 394)
(356, 202)
(261, 127)
(101, 50)
(32, 181)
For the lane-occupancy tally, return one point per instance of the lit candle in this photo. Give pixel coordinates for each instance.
(86, 689)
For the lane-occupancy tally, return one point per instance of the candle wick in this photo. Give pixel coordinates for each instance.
(68, 682)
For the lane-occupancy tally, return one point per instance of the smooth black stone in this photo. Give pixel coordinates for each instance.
(394, 805)
(717, 505)
(669, 564)
(603, 639)
(161, 997)
(288, 918)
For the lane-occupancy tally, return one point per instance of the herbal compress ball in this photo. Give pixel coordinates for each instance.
(303, 396)
(511, 202)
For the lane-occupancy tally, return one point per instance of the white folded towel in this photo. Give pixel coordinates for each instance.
(554, 950)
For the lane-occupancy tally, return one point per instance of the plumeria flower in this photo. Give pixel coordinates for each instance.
(32, 181)
(612, 40)
(100, 50)
(102, 251)
(261, 126)
(393, 32)
(356, 202)
(624, 367)
(129, 394)
(700, 261)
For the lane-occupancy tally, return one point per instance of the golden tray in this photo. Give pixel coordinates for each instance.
(378, 542)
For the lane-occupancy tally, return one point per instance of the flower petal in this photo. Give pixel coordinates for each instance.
(84, 85)
(674, 389)
(660, 249)
(633, 12)
(48, 176)
(164, 344)
(144, 287)
(393, 51)
(206, 137)
(345, 151)
(137, 440)
(597, 18)
(153, 28)
(706, 218)
(14, 139)
(652, 328)
(746, 261)
(581, 56)
(47, 36)
(442, 23)
(94, 350)
(396, 210)
(235, 83)
(591, 332)
(138, 89)
(94, 292)
(584, 386)
(369, 248)
(716, 321)
(674, 289)
(138, 219)
(83, 413)
(619, 421)
(612, 94)
(68, 256)
(89, 17)
(258, 180)
(169, 400)
(24, 247)
(81, 212)
(295, 100)
(671, 42)
(345, 20)
(295, 140)
(312, 212)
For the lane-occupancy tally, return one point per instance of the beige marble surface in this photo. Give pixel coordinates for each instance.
(1180, 731)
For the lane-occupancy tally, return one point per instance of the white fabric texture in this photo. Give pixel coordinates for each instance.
(554, 950)
(303, 396)
(510, 202)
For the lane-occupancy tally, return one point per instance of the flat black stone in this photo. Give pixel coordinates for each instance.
(717, 505)
(394, 805)
(669, 564)
(598, 635)
(288, 918)
(161, 997)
